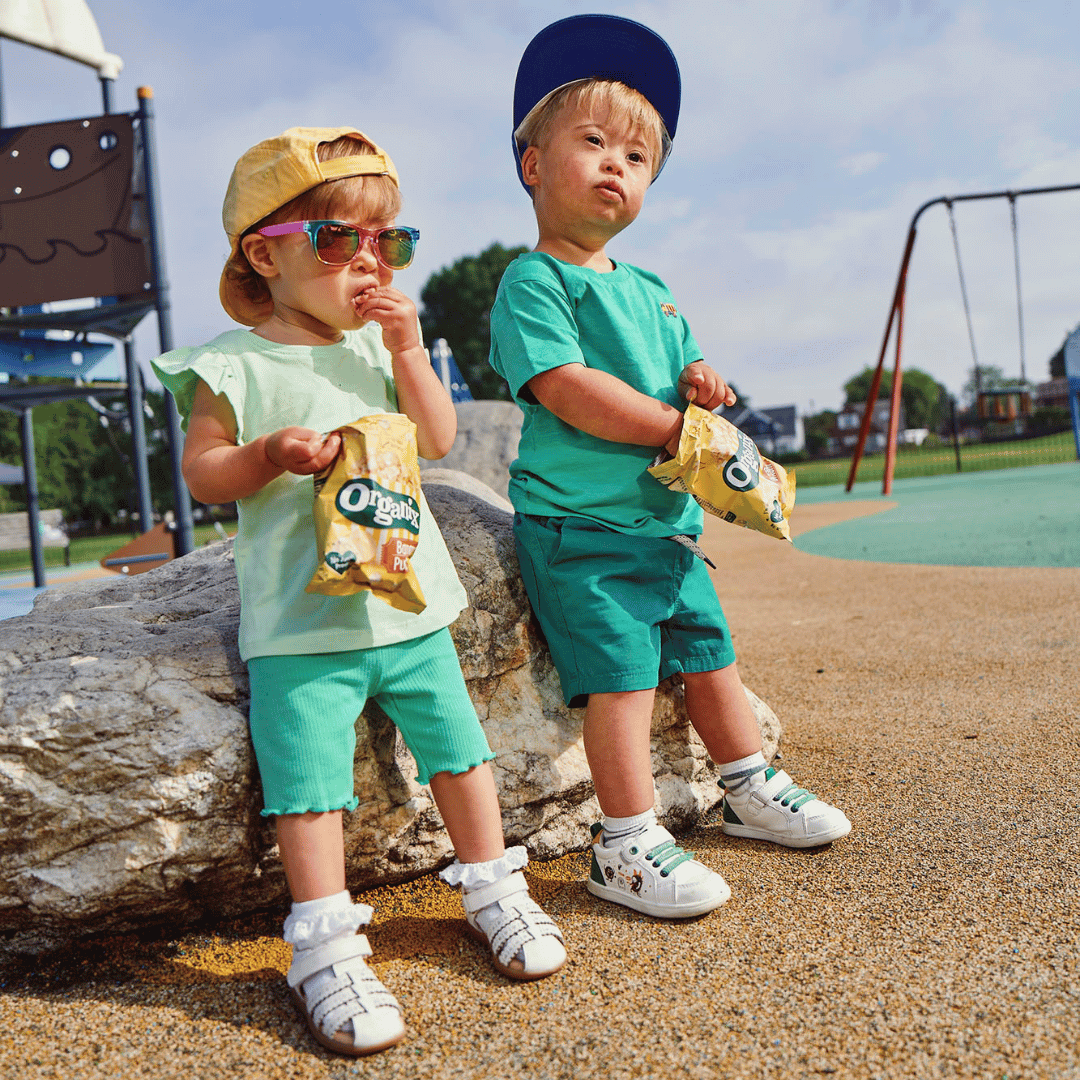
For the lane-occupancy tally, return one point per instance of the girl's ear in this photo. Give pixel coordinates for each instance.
(260, 255)
(529, 163)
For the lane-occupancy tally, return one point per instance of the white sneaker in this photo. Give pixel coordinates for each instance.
(779, 811)
(650, 873)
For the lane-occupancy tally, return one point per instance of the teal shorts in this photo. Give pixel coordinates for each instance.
(620, 612)
(304, 711)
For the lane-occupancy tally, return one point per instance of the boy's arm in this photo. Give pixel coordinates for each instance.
(602, 405)
(218, 471)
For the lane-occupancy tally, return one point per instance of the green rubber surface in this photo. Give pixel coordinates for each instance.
(1006, 517)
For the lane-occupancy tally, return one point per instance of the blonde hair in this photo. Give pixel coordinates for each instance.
(369, 198)
(622, 103)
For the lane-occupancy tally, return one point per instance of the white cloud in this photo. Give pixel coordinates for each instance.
(810, 133)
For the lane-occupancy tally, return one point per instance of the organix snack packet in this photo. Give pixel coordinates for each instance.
(723, 470)
(367, 513)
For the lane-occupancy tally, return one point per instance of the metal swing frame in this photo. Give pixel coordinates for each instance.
(896, 314)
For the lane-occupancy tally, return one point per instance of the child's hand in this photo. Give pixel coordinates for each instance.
(301, 450)
(394, 312)
(701, 385)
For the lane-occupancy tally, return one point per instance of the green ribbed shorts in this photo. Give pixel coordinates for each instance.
(304, 711)
(620, 611)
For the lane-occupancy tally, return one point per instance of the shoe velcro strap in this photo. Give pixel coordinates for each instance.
(773, 786)
(332, 952)
(511, 885)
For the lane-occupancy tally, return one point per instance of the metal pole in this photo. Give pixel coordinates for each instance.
(955, 433)
(894, 407)
(33, 513)
(875, 383)
(1019, 301)
(185, 527)
(1, 95)
(138, 437)
(106, 95)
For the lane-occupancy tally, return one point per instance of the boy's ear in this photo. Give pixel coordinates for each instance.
(529, 162)
(258, 253)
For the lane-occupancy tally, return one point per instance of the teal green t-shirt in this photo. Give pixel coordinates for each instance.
(272, 386)
(549, 313)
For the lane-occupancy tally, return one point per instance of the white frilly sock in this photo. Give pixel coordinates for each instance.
(741, 777)
(471, 875)
(312, 923)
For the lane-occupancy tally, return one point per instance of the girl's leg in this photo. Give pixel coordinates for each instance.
(470, 809)
(313, 854)
(525, 943)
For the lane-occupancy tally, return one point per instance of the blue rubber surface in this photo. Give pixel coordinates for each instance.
(1005, 517)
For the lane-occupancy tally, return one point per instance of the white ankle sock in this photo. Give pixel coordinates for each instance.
(617, 829)
(742, 776)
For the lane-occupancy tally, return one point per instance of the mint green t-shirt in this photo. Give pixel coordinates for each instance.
(272, 386)
(548, 313)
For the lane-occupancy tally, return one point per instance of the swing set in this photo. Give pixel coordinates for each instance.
(1002, 403)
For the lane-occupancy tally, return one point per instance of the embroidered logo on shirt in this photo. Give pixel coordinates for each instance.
(669, 309)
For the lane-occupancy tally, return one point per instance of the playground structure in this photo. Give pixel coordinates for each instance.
(995, 404)
(81, 253)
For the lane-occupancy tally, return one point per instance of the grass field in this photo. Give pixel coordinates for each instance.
(934, 461)
(94, 548)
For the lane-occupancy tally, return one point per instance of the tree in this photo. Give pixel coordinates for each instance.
(925, 400)
(84, 467)
(457, 306)
(817, 429)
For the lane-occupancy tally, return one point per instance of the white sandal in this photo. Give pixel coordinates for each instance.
(352, 992)
(525, 943)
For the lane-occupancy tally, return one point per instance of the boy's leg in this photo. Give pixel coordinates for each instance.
(616, 732)
(635, 861)
(759, 802)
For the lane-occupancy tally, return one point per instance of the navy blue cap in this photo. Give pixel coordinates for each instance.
(597, 47)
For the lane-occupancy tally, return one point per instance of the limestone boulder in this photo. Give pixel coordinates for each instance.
(128, 789)
(486, 444)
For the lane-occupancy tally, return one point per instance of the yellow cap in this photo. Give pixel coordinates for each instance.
(273, 173)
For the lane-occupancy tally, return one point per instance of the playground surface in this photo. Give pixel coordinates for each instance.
(1004, 517)
(937, 705)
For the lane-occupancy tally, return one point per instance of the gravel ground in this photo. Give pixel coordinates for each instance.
(937, 705)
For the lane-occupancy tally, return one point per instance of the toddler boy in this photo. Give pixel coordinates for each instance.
(602, 365)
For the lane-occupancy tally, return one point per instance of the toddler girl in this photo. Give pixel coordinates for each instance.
(310, 216)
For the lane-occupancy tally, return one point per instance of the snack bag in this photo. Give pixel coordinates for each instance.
(726, 474)
(367, 513)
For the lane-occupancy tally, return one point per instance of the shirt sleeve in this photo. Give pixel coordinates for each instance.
(532, 330)
(181, 370)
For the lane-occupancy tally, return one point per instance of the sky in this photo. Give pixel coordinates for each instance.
(811, 131)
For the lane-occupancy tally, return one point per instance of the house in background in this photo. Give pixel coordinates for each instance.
(845, 433)
(777, 430)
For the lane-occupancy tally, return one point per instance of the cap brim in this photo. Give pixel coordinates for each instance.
(598, 47)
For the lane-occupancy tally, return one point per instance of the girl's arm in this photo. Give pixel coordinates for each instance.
(218, 471)
(420, 392)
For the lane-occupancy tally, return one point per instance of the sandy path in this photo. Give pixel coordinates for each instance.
(938, 705)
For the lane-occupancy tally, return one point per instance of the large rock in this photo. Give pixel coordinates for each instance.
(128, 790)
(486, 443)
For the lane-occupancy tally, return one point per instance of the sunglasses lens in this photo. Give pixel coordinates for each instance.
(336, 244)
(396, 247)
